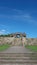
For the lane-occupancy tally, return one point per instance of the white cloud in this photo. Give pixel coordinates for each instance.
(3, 31)
(20, 15)
(5, 26)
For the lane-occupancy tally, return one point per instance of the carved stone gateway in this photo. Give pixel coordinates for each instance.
(18, 35)
(19, 38)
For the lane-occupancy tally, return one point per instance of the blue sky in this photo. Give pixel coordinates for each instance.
(18, 16)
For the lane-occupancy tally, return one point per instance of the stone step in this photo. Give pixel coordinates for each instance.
(19, 64)
(18, 61)
(18, 54)
(19, 58)
(14, 58)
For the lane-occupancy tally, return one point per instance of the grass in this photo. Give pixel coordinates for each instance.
(32, 47)
(4, 47)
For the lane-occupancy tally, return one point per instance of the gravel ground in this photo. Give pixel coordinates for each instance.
(17, 49)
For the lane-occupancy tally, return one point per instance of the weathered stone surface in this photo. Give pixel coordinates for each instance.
(18, 41)
(20, 64)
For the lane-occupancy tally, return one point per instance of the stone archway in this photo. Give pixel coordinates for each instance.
(18, 39)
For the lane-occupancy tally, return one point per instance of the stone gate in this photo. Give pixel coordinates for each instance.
(19, 38)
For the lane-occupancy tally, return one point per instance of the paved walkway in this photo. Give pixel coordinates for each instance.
(17, 49)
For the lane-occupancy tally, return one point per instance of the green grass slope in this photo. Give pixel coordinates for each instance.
(4, 46)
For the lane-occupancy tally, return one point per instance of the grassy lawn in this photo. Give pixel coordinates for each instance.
(4, 46)
(32, 47)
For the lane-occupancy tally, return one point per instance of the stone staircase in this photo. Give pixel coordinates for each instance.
(18, 58)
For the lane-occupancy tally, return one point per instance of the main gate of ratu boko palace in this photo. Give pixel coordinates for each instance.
(19, 39)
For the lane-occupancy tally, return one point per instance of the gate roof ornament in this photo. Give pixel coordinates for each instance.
(18, 34)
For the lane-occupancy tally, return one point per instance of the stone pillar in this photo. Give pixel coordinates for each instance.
(24, 41)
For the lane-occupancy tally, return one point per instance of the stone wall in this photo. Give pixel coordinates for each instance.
(18, 41)
(31, 41)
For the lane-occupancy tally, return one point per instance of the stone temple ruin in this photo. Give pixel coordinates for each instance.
(18, 35)
(14, 39)
(19, 38)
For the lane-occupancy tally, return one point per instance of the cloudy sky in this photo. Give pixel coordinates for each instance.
(18, 16)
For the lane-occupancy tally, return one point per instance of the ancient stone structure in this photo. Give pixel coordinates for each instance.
(19, 38)
(14, 39)
(18, 35)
